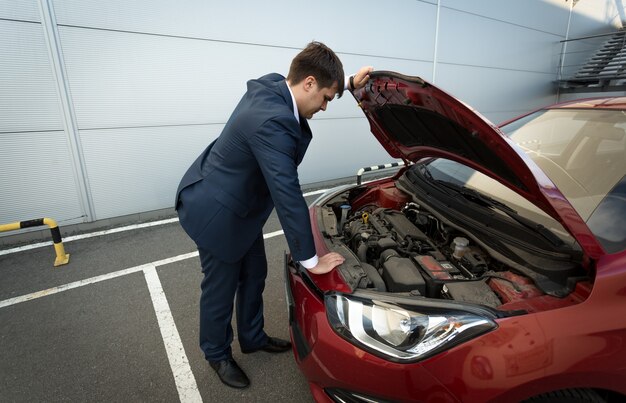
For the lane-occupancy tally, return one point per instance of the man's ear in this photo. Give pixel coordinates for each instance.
(309, 82)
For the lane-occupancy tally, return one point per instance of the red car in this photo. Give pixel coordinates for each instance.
(491, 268)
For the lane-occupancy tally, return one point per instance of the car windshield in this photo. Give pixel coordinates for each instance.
(583, 151)
(451, 171)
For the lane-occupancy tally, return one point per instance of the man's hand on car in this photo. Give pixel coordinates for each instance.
(362, 76)
(327, 262)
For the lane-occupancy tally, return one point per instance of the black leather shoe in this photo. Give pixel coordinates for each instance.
(273, 345)
(230, 373)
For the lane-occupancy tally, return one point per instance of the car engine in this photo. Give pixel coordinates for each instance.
(394, 244)
(410, 251)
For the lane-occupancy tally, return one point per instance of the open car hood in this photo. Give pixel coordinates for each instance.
(413, 119)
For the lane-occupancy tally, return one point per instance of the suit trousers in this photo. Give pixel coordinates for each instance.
(223, 281)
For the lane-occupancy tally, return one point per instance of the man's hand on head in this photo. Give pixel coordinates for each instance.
(327, 262)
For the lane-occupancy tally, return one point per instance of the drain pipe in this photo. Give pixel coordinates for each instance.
(436, 43)
(563, 50)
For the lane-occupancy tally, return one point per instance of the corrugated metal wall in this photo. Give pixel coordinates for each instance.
(147, 84)
(36, 174)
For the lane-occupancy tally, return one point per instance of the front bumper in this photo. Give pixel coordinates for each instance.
(333, 365)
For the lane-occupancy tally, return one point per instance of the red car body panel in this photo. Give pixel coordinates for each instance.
(581, 346)
(574, 342)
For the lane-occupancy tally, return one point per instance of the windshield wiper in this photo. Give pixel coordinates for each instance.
(425, 172)
(486, 201)
(476, 196)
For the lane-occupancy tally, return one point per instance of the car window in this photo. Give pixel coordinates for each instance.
(582, 151)
(545, 133)
(608, 221)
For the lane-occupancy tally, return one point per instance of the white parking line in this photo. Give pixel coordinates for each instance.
(179, 363)
(69, 286)
(315, 192)
(183, 376)
(92, 280)
(89, 235)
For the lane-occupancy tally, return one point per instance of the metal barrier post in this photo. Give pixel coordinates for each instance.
(62, 257)
(361, 171)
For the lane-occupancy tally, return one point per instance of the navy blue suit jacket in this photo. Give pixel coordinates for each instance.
(226, 196)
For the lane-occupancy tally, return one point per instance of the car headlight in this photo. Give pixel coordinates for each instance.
(402, 332)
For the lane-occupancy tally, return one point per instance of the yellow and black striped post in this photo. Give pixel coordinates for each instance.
(62, 257)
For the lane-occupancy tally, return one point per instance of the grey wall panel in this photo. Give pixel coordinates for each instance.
(279, 23)
(592, 17)
(472, 40)
(28, 97)
(25, 10)
(497, 94)
(155, 80)
(339, 148)
(615, 14)
(138, 169)
(543, 15)
(352, 63)
(36, 178)
(124, 79)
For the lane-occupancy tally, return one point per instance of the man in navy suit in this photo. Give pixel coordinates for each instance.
(226, 196)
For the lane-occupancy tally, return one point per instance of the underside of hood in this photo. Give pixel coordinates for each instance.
(413, 119)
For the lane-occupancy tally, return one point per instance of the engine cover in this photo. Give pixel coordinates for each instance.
(400, 274)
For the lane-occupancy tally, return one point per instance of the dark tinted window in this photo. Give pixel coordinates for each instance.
(608, 221)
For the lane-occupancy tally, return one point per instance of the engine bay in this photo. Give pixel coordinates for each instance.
(405, 249)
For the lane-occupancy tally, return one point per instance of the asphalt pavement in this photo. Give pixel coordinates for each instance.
(120, 323)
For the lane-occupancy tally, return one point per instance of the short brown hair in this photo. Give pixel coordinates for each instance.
(319, 61)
